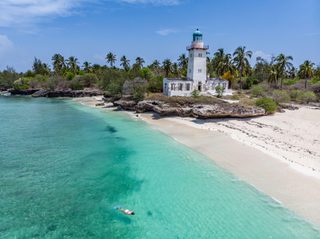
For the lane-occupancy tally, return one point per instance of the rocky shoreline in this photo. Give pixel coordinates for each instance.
(219, 109)
(56, 93)
(201, 111)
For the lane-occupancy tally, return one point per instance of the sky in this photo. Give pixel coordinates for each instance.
(154, 29)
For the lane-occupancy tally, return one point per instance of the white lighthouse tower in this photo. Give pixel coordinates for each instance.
(197, 65)
(196, 79)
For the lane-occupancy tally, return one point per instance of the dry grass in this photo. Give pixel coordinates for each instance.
(178, 100)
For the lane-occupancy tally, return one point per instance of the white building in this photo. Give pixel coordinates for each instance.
(197, 78)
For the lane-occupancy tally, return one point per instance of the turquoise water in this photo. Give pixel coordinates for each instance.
(64, 166)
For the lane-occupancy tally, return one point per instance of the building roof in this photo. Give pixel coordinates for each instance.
(197, 33)
(178, 79)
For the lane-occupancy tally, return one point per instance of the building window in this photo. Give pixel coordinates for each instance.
(200, 54)
(188, 86)
(173, 86)
(199, 70)
(180, 86)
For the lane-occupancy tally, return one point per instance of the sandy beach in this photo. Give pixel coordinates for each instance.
(279, 155)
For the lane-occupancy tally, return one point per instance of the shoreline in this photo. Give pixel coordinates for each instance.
(294, 189)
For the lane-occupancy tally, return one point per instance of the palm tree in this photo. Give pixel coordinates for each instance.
(58, 63)
(241, 61)
(218, 61)
(283, 64)
(306, 71)
(273, 75)
(175, 69)
(167, 66)
(87, 66)
(155, 65)
(72, 63)
(139, 62)
(111, 58)
(125, 63)
(183, 61)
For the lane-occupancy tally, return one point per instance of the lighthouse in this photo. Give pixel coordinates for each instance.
(197, 64)
(196, 81)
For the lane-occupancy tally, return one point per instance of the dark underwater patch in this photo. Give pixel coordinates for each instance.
(111, 129)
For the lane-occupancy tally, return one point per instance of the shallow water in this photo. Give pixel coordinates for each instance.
(64, 166)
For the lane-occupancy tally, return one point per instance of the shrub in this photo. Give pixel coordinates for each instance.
(219, 90)
(306, 97)
(195, 93)
(69, 75)
(258, 91)
(315, 80)
(249, 82)
(316, 88)
(139, 93)
(87, 80)
(294, 94)
(22, 83)
(75, 84)
(290, 81)
(281, 96)
(115, 88)
(268, 104)
(155, 84)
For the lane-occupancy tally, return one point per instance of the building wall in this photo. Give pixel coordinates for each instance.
(177, 87)
(197, 66)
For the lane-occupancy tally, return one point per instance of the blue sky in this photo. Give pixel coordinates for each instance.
(154, 29)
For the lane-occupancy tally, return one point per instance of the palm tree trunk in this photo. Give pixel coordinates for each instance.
(305, 83)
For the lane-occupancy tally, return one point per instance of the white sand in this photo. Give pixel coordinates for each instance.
(265, 152)
(293, 136)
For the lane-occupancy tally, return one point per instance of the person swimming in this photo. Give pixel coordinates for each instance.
(125, 211)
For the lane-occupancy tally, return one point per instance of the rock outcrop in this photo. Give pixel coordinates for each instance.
(57, 93)
(203, 111)
(23, 92)
(225, 111)
(125, 104)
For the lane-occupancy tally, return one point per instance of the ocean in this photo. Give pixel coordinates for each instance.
(64, 167)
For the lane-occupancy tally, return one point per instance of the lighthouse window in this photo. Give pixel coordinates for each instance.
(199, 70)
(200, 54)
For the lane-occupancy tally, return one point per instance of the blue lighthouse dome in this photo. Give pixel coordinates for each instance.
(197, 35)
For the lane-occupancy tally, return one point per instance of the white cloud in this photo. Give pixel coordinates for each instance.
(166, 32)
(262, 54)
(26, 12)
(5, 43)
(155, 2)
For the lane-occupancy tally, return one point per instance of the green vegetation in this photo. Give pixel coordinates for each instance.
(268, 104)
(289, 82)
(219, 89)
(281, 96)
(258, 91)
(195, 94)
(306, 97)
(277, 79)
